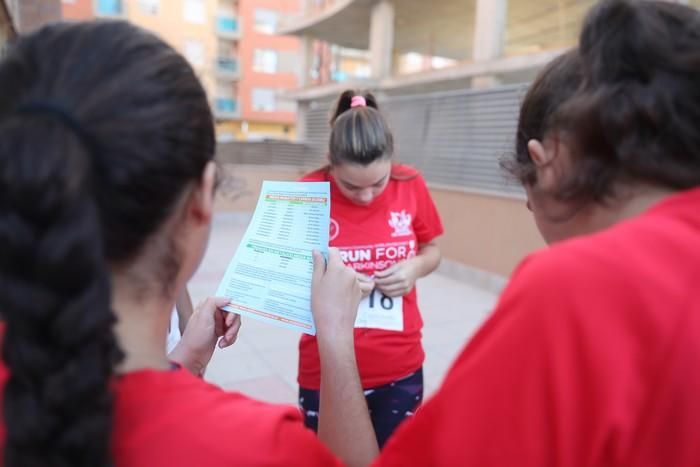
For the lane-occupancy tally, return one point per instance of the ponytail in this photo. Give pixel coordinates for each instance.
(345, 103)
(59, 346)
(359, 132)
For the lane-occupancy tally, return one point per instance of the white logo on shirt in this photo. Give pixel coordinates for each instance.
(401, 223)
(335, 230)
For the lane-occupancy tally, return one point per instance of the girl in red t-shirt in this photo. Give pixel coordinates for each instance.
(385, 224)
(591, 356)
(106, 191)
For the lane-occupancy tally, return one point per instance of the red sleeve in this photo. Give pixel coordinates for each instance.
(526, 389)
(273, 435)
(189, 422)
(299, 446)
(427, 223)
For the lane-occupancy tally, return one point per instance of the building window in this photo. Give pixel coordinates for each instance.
(264, 100)
(109, 7)
(195, 11)
(194, 52)
(266, 21)
(265, 61)
(149, 7)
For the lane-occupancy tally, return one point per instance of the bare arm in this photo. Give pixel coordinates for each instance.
(427, 260)
(344, 423)
(184, 308)
(208, 325)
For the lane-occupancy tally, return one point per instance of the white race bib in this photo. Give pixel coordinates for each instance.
(380, 312)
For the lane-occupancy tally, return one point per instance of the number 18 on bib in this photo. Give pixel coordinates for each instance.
(379, 311)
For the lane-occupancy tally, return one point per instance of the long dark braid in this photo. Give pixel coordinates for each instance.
(55, 291)
(102, 126)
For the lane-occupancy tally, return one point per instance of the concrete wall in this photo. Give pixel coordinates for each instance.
(491, 233)
(486, 232)
(240, 187)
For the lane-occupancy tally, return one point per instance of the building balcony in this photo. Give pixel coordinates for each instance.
(226, 108)
(441, 28)
(109, 8)
(342, 22)
(227, 68)
(509, 70)
(228, 27)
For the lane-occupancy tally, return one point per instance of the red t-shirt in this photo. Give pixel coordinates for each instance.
(592, 358)
(373, 238)
(171, 418)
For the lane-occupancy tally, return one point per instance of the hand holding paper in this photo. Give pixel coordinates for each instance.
(335, 296)
(207, 324)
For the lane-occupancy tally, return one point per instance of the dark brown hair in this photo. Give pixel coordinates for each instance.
(554, 85)
(636, 116)
(102, 128)
(359, 135)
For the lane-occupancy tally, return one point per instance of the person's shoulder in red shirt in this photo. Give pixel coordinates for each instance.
(171, 418)
(176, 419)
(402, 172)
(589, 359)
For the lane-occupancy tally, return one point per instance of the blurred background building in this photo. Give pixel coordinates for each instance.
(22, 16)
(230, 43)
(449, 75)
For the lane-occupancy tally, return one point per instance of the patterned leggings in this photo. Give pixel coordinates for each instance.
(388, 405)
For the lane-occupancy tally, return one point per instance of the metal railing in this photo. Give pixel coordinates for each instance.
(227, 67)
(228, 27)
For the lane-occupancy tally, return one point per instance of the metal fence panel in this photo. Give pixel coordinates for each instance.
(455, 138)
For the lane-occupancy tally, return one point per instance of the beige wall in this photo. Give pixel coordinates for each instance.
(491, 233)
(487, 232)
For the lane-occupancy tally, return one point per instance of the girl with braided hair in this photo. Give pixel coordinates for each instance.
(106, 190)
